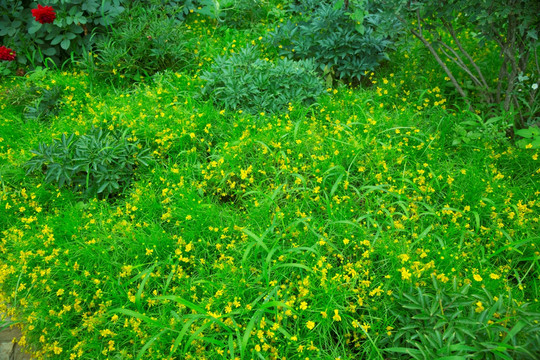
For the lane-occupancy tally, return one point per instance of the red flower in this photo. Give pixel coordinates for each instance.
(7, 54)
(44, 14)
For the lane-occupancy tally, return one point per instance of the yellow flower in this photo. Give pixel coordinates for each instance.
(477, 277)
(310, 325)
(479, 307)
(336, 316)
(404, 258)
(405, 274)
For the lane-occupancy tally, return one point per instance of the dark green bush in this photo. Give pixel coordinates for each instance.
(244, 81)
(46, 103)
(143, 42)
(328, 34)
(98, 163)
(459, 324)
(70, 33)
(36, 102)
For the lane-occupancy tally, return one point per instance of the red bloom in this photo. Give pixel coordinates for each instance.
(7, 54)
(44, 14)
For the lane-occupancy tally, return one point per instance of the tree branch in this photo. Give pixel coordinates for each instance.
(459, 62)
(452, 32)
(442, 64)
(510, 51)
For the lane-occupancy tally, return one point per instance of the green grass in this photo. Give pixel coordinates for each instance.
(271, 236)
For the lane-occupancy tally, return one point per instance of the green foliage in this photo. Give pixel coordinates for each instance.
(474, 129)
(45, 104)
(7, 68)
(459, 324)
(453, 30)
(37, 102)
(244, 81)
(531, 137)
(342, 47)
(179, 8)
(68, 34)
(99, 163)
(234, 13)
(143, 42)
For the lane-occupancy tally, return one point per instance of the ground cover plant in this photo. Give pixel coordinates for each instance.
(384, 221)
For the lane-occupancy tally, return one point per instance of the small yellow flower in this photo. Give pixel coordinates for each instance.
(479, 307)
(336, 316)
(477, 277)
(405, 274)
(310, 325)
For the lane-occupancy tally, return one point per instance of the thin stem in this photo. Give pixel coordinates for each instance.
(427, 44)
(452, 32)
(459, 62)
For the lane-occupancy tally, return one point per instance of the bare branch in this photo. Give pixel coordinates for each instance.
(452, 32)
(536, 60)
(459, 62)
(442, 64)
(509, 52)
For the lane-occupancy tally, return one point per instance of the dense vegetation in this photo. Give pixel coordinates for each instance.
(224, 179)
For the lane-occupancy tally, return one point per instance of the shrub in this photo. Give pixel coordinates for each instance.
(143, 42)
(99, 163)
(234, 13)
(329, 35)
(37, 102)
(456, 324)
(453, 31)
(244, 81)
(46, 103)
(34, 38)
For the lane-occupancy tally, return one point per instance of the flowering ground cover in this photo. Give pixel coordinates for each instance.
(366, 225)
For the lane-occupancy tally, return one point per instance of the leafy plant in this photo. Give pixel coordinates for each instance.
(143, 42)
(234, 13)
(37, 102)
(475, 128)
(45, 105)
(180, 9)
(244, 81)
(101, 162)
(341, 47)
(75, 20)
(458, 324)
(531, 137)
